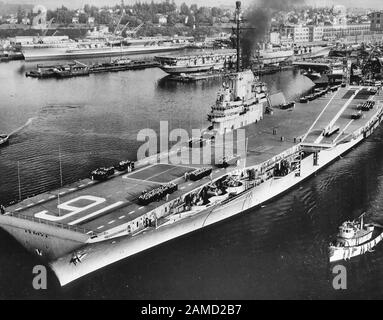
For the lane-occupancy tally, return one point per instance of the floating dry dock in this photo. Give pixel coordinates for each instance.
(98, 223)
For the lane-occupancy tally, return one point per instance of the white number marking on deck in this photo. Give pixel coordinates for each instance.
(96, 213)
(73, 210)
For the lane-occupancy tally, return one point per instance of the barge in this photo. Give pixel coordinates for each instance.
(6, 56)
(123, 65)
(60, 71)
(78, 69)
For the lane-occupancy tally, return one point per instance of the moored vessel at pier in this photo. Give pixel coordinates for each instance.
(197, 62)
(104, 49)
(69, 70)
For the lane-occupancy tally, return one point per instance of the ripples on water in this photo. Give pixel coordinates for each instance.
(277, 251)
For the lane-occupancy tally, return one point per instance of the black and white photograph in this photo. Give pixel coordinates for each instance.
(169, 151)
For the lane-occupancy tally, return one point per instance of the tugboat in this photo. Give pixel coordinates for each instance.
(4, 139)
(354, 238)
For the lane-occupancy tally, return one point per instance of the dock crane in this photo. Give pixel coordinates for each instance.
(45, 31)
(80, 63)
(123, 29)
(118, 25)
(49, 24)
(134, 31)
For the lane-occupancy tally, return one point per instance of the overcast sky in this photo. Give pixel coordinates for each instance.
(378, 4)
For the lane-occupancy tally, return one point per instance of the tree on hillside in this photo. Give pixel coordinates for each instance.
(20, 15)
(172, 19)
(83, 18)
(194, 8)
(184, 9)
(216, 12)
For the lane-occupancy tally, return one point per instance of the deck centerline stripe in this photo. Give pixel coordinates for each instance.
(337, 116)
(319, 116)
(343, 131)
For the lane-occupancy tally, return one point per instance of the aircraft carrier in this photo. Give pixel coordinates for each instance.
(90, 224)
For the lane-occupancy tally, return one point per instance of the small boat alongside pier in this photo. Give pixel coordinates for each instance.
(11, 55)
(59, 71)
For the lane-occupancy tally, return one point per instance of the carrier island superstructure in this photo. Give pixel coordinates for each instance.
(90, 224)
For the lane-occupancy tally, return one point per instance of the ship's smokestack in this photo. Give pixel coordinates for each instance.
(258, 21)
(238, 21)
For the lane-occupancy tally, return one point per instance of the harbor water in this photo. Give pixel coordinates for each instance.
(278, 251)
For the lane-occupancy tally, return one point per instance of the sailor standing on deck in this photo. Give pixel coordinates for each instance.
(2, 209)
